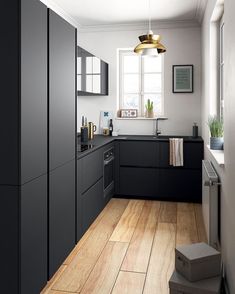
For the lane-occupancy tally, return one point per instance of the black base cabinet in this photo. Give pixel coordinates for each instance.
(61, 214)
(143, 170)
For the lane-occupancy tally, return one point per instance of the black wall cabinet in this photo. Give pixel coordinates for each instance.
(92, 74)
(61, 214)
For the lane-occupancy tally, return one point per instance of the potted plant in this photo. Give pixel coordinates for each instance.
(217, 132)
(149, 109)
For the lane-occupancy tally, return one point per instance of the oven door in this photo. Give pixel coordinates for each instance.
(108, 174)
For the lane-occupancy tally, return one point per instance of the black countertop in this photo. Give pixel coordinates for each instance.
(100, 141)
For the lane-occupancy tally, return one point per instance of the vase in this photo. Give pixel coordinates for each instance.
(149, 114)
(216, 143)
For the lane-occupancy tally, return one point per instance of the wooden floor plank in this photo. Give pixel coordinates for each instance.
(161, 263)
(185, 207)
(186, 228)
(202, 237)
(126, 226)
(77, 272)
(137, 257)
(50, 284)
(129, 283)
(105, 272)
(168, 212)
(111, 205)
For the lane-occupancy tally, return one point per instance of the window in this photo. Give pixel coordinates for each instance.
(221, 69)
(140, 79)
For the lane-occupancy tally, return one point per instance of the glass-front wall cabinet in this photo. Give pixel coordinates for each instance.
(92, 74)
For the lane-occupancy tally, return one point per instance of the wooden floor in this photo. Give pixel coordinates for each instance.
(129, 248)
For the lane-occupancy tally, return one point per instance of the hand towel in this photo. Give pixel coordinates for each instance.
(176, 156)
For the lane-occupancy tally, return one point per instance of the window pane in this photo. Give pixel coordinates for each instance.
(131, 83)
(157, 105)
(96, 84)
(152, 83)
(89, 83)
(79, 65)
(89, 65)
(131, 101)
(79, 83)
(152, 64)
(96, 65)
(131, 64)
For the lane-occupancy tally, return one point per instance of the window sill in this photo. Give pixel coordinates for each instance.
(218, 155)
(135, 118)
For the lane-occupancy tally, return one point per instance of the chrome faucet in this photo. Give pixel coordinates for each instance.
(158, 132)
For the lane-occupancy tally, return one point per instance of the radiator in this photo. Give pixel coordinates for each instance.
(210, 199)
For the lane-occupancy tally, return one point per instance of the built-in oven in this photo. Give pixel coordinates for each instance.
(109, 173)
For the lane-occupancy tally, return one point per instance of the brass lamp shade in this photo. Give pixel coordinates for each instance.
(150, 41)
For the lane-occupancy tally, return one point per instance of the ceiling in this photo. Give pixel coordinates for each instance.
(109, 12)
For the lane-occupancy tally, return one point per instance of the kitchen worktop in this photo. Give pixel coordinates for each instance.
(100, 141)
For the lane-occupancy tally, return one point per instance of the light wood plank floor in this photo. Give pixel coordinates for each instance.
(129, 249)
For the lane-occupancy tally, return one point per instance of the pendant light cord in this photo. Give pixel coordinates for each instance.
(149, 16)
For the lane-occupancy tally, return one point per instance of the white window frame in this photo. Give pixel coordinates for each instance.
(221, 68)
(120, 91)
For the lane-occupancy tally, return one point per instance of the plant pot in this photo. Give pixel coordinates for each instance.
(216, 143)
(149, 114)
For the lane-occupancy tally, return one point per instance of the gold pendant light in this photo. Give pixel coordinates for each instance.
(150, 44)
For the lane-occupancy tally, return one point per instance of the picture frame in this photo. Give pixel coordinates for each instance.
(128, 113)
(182, 78)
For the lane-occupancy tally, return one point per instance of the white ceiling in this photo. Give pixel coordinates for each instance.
(108, 12)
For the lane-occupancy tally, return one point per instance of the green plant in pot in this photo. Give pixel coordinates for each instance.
(149, 109)
(217, 132)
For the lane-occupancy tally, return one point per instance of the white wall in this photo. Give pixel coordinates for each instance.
(183, 47)
(227, 174)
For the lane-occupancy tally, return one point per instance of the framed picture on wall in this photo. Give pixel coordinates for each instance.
(182, 81)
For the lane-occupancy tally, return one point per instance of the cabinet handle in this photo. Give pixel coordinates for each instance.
(106, 162)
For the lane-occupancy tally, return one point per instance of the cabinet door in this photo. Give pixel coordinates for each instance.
(34, 236)
(61, 214)
(104, 78)
(138, 181)
(138, 153)
(33, 90)
(92, 169)
(61, 90)
(92, 204)
(180, 184)
(79, 232)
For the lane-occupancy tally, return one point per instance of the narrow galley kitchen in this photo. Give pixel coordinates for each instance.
(117, 154)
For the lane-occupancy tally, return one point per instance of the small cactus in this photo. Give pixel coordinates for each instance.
(149, 105)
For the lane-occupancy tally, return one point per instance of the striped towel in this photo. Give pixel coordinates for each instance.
(176, 151)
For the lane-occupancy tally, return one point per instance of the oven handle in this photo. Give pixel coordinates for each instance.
(107, 161)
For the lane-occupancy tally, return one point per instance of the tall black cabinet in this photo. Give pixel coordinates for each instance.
(37, 150)
(62, 134)
(23, 148)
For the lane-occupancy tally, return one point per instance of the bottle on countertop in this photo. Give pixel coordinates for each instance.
(84, 130)
(195, 130)
(110, 127)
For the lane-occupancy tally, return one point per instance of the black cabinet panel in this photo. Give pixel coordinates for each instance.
(79, 211)
(92, 169)
(138, 153)
(180, 184)
(33, 89)
(9, 245)
(193, 154)
(34, 236)
(139, 181)
(92, 204)
(61, 214)
(61, 90)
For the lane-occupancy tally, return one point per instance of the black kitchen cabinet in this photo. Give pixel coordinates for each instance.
(138, 153)
(33, 236)
(92, 169)
(92, 74)
(135, 181)
(23, 111)
(62, 46)
(62, 206)
(92, 204)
